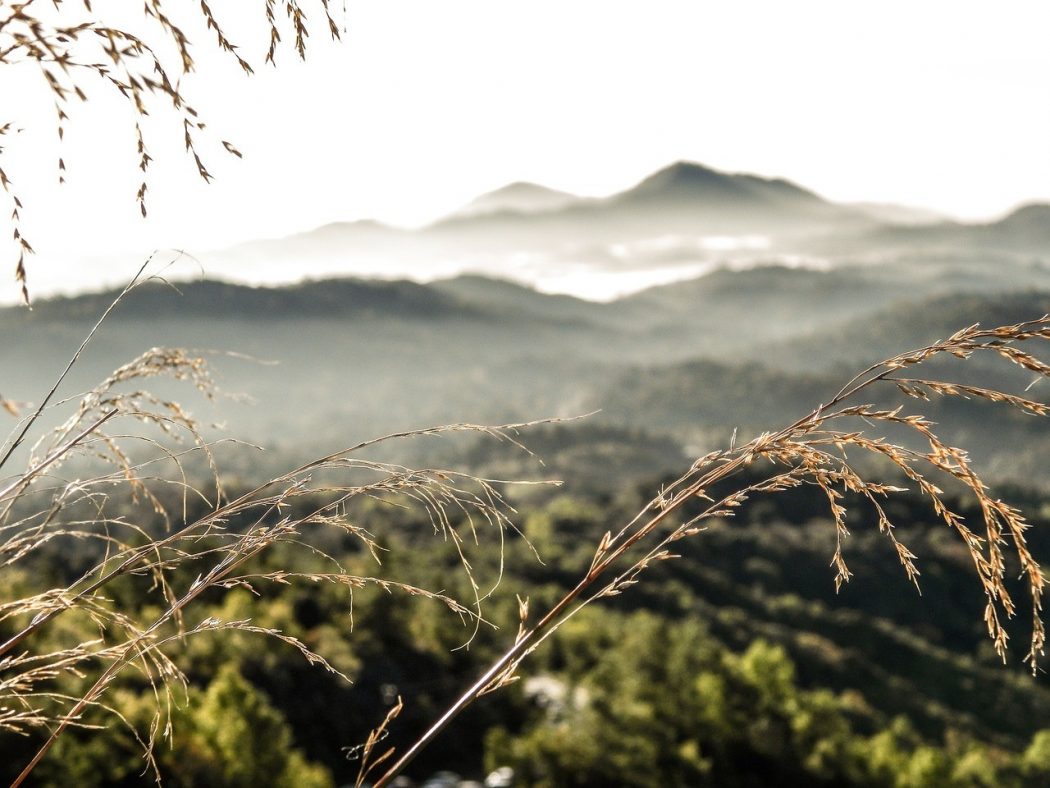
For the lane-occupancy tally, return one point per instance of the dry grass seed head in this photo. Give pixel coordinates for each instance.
(76, 47)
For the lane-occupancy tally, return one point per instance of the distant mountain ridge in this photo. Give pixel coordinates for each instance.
(719, 314)
(1025, 230)
(682, 197)
(685, 217)
(683, 180)
(519, 197)
(716, 295)
(217, 301)
(1032, 217)
(689, 181)
(695, 359)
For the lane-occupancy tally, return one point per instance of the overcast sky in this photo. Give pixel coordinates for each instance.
(427, 103)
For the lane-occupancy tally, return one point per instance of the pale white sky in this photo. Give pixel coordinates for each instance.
(428, 103)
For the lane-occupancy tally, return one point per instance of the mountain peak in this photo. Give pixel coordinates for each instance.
(683, 174)
(518, 197)
(1031, 214)
(687, 180)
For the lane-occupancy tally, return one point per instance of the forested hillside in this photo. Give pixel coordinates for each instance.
(734, 665)
(741, 351)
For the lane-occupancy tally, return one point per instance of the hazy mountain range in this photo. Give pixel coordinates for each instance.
(677, 223)
(798, 293)
(744, 350)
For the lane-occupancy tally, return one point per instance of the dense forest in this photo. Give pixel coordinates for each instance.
(736, 664)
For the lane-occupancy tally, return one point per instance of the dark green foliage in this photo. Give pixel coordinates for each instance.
(735, 665)
(637, 700)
